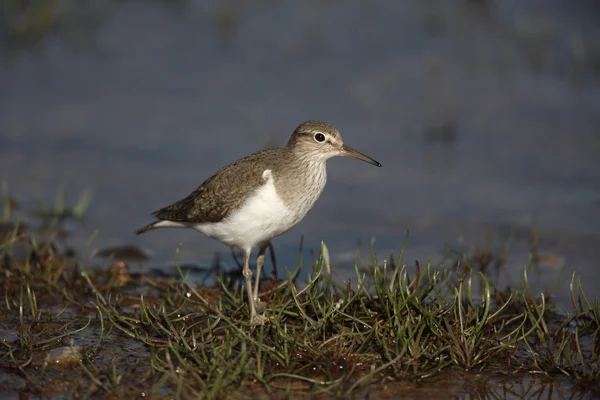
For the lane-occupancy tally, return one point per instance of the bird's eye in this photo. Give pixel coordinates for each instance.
(319, 137)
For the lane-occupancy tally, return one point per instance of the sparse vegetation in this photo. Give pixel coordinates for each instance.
(68, 327)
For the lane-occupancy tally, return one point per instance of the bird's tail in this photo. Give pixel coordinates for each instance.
(146, 228)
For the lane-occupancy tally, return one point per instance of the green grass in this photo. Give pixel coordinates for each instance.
(129, 334)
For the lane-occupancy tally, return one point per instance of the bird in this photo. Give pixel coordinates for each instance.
(250, 201)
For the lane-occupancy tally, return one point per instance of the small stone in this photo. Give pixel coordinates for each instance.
(64, 356)
(120, 273)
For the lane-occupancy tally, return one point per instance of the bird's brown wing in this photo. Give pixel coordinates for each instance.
(222, 193)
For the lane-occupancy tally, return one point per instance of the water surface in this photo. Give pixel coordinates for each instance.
(483, 114)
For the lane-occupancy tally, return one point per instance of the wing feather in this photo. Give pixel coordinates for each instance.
(223, 192)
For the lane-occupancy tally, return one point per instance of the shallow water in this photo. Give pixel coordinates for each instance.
(483, 114)
(459, 385)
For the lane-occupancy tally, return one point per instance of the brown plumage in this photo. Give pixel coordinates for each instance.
(228, 188)
(223, 192)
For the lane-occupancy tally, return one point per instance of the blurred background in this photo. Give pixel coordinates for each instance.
(485, 115)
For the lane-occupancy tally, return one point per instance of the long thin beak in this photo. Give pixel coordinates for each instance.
(349, 151)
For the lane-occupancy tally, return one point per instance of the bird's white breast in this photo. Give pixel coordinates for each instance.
(261, 217)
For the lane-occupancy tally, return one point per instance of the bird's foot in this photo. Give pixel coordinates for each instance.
(260, 305)
(258, 319)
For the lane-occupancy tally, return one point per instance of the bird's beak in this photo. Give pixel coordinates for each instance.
(349, 151)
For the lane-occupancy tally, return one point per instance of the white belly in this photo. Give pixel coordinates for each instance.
(262, 217)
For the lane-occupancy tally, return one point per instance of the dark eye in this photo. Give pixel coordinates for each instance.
(319, 137)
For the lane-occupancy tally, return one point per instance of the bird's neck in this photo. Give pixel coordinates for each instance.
(302, 179)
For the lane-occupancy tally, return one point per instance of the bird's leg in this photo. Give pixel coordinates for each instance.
(260, 261)
(248, 277)
(254, 317)
(272, 252)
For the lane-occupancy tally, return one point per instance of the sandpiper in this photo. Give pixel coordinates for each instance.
(253, 200)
